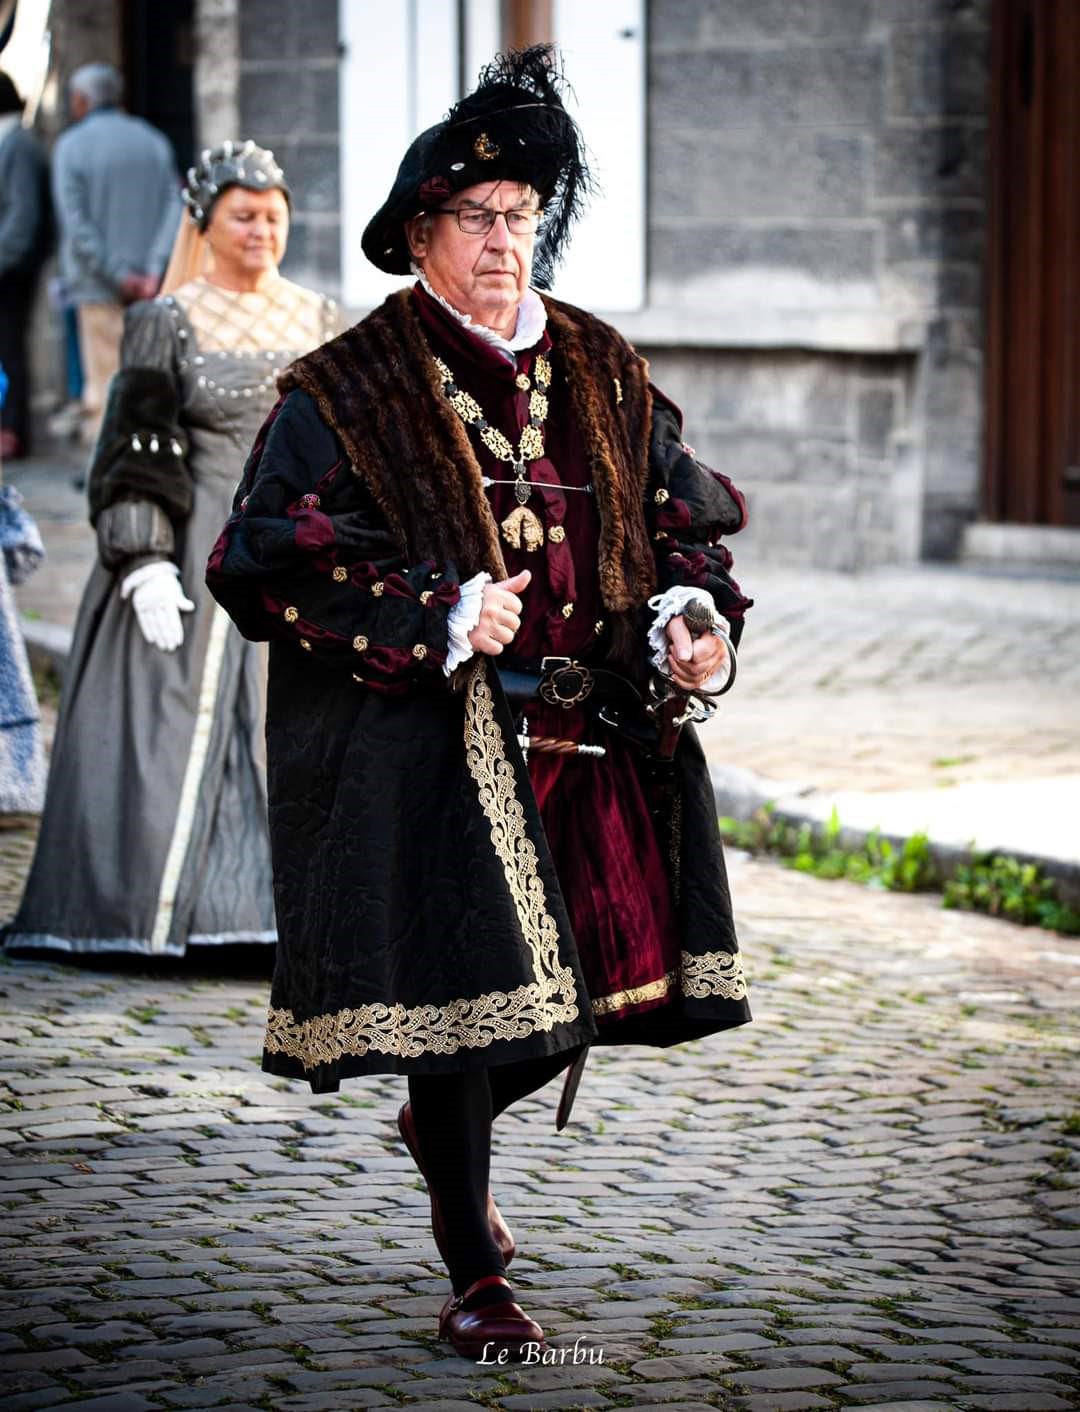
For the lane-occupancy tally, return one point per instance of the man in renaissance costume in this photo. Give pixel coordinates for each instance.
(492, 577)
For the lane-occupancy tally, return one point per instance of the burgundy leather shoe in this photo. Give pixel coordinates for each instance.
(500, 1231)
(484, 1333)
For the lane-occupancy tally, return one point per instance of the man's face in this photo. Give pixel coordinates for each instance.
(484, 276)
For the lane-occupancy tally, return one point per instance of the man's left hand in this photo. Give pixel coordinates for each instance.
(692, 661)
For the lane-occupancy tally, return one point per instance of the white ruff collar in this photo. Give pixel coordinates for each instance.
(531, 321)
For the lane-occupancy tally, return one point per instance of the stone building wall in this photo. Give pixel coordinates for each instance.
(816, 441)
(287, 99)
(816, 235)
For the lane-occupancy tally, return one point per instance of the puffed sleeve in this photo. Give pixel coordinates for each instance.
(689, 509)
(139, 486)
(306, 557)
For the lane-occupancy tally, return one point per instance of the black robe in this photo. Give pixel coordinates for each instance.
(422, 928)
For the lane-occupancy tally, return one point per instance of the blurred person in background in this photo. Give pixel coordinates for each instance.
(473, 518)
(116, 194)
(154, 834)
(24, 241)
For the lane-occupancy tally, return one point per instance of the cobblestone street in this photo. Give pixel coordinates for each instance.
(867, 1198)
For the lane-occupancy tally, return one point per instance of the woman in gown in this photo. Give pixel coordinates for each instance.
(154, 833)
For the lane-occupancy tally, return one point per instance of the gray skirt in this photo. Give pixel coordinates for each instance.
(154, 835)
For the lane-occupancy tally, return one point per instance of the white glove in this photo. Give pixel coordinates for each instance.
(158, 601)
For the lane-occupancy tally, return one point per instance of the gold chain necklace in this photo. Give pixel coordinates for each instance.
(521, 529)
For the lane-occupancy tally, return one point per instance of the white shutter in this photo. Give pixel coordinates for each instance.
(603, 47)
(399, 75)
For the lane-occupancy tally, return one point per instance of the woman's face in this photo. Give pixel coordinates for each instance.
(248, 231)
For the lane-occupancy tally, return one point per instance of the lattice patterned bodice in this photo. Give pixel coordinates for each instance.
(281, 316)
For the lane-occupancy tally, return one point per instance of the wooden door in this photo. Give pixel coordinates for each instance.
(1033, 390)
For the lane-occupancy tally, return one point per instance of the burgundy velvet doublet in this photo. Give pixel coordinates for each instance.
(595, 810)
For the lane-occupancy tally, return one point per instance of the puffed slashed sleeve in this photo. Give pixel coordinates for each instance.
(689, 509)
(139, 486)
(306, 558)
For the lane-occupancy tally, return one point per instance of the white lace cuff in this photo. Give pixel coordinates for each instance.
(142, 575)
(462, 618)
(669, 605)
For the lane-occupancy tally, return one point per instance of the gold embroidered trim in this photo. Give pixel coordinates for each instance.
(485, 755)
(713, 973)
(548, 1000)
(608, 1004)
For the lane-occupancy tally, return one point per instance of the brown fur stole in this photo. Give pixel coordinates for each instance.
(376, 386)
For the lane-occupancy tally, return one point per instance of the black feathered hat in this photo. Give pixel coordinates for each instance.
(512, 127)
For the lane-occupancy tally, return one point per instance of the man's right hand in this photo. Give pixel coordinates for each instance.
(135, 287)
(500, 614)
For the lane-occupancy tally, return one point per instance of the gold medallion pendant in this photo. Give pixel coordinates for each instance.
(522, 530)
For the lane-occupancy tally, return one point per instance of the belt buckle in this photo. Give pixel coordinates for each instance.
(565, 682)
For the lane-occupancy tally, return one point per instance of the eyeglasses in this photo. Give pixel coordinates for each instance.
(478, 220)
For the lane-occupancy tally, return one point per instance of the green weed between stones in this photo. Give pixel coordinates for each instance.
(994, 883)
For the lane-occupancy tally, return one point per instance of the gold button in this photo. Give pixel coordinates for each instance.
(360, 644)
(662, 496)
(521, 382)
(359, 679)
(557, 533)
(419, 651)
(425, 597)
(567, 610)
(599, 628)
(340, 574)
(377, 589)
(660, 534)
(291, 615)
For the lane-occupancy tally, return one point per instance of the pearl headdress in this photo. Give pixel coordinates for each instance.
(231, 164)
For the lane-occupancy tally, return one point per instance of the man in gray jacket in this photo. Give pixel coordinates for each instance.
(117, 197)
(24, 238)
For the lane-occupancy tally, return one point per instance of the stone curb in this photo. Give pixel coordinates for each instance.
(740, 793)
